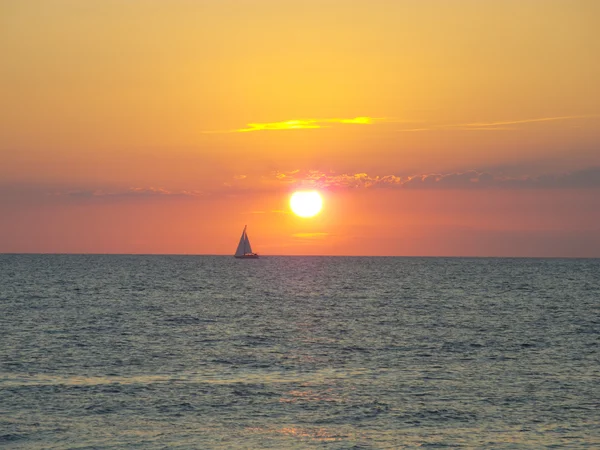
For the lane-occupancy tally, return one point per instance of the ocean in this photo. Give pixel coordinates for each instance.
(210, 352)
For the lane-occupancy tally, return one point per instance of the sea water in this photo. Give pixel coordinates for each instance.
(104, 351)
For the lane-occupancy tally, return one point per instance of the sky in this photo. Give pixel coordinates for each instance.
(430, 127)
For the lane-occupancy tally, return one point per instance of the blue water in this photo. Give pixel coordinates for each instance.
(298, 352)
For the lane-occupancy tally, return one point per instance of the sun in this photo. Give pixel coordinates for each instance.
(306, 203)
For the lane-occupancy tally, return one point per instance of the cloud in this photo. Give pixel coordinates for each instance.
(504, 125)
(307, 124)
(284, 175)
(130, 192)
(494, 125)
(458, 180)
(588, 178)
(286, 125)
(580, 179)
(304, 124)
(472, 179)
(412, 130)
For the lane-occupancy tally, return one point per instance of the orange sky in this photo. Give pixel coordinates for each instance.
(430, 127)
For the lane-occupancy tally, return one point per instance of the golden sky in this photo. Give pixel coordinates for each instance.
(435, 127)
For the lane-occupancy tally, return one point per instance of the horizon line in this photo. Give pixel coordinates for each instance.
(294, 256)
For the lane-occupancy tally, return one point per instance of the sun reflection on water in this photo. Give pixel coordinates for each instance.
(302, 433)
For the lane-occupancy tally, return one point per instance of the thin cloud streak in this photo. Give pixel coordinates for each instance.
(496, 126)
(516, 122)
(482, 128)
(131, 192)
(307, 124)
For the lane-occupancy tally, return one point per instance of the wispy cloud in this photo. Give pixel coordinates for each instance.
(307, 124)
(304, 124)
(489, 125)
(284, 175)
(405, 130)
(472, 179)
(299, 124)
(130, 192)
(503, 125)
(588, 178)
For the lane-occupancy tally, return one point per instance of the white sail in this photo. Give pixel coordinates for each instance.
(244, 249)
(241, 248)
(247, 247)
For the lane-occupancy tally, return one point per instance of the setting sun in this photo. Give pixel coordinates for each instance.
(306, 203)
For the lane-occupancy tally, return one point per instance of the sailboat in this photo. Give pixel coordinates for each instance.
(244, 250)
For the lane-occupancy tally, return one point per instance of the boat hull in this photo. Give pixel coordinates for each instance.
(251, 256)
